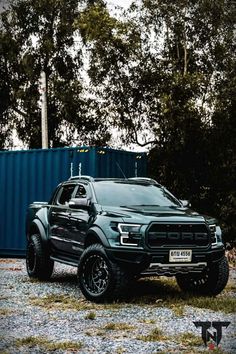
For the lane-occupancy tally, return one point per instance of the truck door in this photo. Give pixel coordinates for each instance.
(79, 221)
(59, 219)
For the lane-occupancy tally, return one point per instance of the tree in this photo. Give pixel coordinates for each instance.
(40, 35)
(164, 76)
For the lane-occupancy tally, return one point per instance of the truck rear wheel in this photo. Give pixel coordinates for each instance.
(210, 282)
(100, 279)
(38, 263)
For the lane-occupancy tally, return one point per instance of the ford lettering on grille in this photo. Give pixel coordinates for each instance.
(182, 234)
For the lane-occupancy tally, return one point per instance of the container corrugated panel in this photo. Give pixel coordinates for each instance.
(32, 175)
(119, 163)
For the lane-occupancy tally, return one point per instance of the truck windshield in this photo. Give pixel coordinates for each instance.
(133, 195)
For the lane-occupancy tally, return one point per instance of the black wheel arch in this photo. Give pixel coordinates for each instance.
(36, 227)
(96, 235)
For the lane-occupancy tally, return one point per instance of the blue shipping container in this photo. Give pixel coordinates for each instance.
(32, 175)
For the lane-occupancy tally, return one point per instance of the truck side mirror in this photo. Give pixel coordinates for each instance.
(79, 203)
(185, 203)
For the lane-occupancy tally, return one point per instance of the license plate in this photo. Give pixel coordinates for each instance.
(180, 256)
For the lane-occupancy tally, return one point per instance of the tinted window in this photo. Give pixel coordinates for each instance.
(129, 194)
(66, 194)
(81, 192)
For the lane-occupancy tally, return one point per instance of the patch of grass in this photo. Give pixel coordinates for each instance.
(118, 327)
(32, 281)
(230, 286)
(156, 335)
(90, 316)
(5, 312)
(64, 302)
(226, 304)
(95, 332)
(178, 310)
(48, 345)
(149, 321)
(189, 339)
(215, 351)
(165, 293)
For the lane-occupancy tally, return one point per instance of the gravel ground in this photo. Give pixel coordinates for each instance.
(21, 318)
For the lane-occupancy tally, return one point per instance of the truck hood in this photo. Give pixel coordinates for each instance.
(147, 214)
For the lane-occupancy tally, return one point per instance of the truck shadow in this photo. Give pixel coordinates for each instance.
(149, 290)
(144, 290)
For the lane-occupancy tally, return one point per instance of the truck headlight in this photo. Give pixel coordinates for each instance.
(129, 234)
(216, 234)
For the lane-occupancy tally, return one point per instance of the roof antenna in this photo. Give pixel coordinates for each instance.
(121, 170)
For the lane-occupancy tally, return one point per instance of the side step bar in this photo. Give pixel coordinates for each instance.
(64, 261)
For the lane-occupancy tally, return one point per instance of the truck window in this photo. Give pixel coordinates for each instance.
(81, 192)
(66, 194)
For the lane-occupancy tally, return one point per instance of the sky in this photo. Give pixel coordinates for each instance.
(123, 3)
(2, 4)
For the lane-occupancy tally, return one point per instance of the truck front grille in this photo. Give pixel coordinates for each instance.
(159, 234)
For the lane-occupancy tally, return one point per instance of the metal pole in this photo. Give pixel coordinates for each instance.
(44, 118)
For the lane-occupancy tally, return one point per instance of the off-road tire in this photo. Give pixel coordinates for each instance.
(209, 283)
(38, 263)
(100, 280)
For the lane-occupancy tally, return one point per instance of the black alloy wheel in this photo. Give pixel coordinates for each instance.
(96, 274)
(100, 279)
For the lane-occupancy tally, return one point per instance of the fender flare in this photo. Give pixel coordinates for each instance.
(97, 233)
(37, 225)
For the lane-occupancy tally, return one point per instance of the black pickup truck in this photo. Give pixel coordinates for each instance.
(116, 230)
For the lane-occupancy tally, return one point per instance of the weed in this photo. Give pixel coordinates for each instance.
(149, 321)
(118, 327)
(64, 302)
(188, 338)
(156, 335)
(90, 316)
(5, 312)
(178, 310)
(47, 345)
(230, 286)
(165, 293)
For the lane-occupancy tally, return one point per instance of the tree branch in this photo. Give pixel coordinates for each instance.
(23, 114)
(155, 141)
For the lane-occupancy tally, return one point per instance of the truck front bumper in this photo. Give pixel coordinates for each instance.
(157, 262)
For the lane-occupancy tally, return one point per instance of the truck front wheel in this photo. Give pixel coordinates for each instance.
(100, 279)
(210, 282)
(38, 263)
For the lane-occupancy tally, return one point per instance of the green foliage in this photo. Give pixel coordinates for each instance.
(38, 35)
(164, 75)
(90, 316)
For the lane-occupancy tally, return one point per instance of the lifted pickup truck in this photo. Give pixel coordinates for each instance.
(115, 230)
